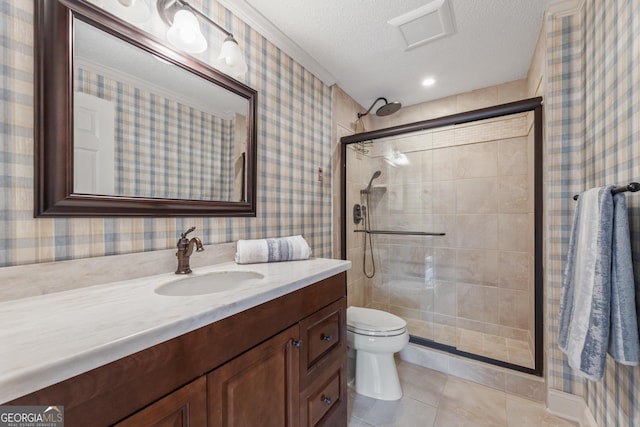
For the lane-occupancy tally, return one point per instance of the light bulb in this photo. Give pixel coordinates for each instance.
(185, 33)
(231, 59)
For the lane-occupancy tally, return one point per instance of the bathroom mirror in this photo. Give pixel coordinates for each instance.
(126, 126)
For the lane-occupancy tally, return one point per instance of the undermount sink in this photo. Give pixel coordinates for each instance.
(210, 283)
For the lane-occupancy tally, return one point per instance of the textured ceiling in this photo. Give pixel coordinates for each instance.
(492, 43)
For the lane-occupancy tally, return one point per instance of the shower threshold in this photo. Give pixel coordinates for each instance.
(502, 361)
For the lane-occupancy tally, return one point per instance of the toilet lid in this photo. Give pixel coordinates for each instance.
(368, 319)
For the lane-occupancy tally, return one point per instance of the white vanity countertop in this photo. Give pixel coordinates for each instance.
(49, 338)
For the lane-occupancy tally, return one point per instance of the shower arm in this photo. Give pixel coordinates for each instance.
(360, 115)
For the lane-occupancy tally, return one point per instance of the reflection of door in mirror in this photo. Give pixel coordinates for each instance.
(93, 151)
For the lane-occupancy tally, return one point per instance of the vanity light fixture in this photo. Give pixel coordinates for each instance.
(184, 33)
(129, 10)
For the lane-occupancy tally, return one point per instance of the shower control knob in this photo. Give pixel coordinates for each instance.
(326, 338)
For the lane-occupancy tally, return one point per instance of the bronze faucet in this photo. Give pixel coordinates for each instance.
(185, 249)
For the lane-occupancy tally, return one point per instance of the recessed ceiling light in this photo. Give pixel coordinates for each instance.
(429, 81)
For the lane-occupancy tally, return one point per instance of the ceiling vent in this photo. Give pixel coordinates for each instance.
(424, 24)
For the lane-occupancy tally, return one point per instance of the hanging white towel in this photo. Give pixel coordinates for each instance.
(596, 281)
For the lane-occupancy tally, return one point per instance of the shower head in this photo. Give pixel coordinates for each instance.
(387, 109)
(376, 174)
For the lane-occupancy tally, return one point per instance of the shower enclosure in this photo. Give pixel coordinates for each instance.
(442, 222)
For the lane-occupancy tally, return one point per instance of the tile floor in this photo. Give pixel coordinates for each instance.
(434, 399)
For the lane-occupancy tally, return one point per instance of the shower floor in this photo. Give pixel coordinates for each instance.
(509, 350)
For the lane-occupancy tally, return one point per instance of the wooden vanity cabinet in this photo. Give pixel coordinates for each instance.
(280, 364)
(185, 407)
(323, 399)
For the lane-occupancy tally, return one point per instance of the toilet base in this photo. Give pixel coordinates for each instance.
(377, 376)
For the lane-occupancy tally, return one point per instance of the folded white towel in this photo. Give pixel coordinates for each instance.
(272, 250)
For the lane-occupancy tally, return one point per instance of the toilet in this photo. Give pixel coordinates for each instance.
(375, 336)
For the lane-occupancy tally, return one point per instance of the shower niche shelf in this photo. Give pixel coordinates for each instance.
(375, 189)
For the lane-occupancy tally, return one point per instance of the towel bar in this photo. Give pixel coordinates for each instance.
(401, 233)
(632, 187)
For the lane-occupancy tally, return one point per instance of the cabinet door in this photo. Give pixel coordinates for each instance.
(257, 388)
(184, 407)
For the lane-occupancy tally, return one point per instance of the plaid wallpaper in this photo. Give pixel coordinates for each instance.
(294, 140)
(593, 139)
(145, 167)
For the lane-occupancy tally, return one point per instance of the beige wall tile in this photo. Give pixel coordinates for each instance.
(444, 260)
(444, 163)
(513, 158)
(514, 232)
(477, 231)
(439, 108)
(479, 195)
(514, 270)
(514, 308)
(480, 98)
(477, 160)
(445, 298)
(478, 326)
(512, 91)
(355, 294)
(443, 197)
(477, 267)
(514, 195)
(478, 303)
(444, 224)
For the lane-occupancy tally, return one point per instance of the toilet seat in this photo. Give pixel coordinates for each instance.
(368, 321)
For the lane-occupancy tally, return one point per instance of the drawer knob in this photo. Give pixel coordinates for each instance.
(326, 338)
(326, 399)
(297, 343)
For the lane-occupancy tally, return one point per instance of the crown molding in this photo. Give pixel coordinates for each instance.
(247, 13)
(562, 8)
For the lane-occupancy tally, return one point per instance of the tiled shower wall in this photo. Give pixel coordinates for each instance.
(294, 141)
(593, 139)
(345, 114)
(475, 183)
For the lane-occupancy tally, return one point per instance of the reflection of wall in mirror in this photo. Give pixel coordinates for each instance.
(164, 148)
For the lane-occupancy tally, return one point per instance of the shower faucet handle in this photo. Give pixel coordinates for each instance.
(358, 213)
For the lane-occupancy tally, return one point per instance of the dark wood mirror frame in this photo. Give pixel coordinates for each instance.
(54, 195)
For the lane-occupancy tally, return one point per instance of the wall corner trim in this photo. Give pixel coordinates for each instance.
(571, 407)
(561, 8)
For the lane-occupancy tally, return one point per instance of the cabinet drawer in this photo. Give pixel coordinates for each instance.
(322, 397)
(323, 340)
